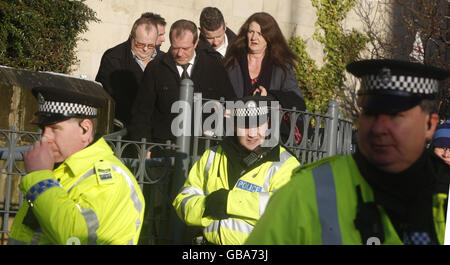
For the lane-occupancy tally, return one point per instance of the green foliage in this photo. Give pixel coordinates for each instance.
(42, 35)
(340, 48)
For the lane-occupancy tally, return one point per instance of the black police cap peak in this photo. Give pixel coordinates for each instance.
(390, 86)
(396, 67)
(58, 104)
(57, 94)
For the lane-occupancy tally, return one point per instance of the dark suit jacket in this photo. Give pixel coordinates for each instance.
(120, 75)
(152, 117)
(203, 44)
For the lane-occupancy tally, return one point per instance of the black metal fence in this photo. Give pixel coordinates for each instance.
(322, 135)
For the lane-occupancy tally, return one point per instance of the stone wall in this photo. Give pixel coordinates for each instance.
(18, 105)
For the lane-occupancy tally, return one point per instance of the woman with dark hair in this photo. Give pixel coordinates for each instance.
(259, 61)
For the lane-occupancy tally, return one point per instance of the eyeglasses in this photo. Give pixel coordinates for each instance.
(143, 45)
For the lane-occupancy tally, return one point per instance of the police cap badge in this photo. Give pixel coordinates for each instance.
(57, 104)
(390, 86)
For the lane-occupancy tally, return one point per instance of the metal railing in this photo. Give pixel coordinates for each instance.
(11, 170)
(323, 135)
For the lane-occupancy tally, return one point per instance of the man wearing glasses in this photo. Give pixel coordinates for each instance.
(152, 115)
(122, 67)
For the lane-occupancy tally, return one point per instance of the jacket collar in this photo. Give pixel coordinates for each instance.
(237, 152)
(168, 60)
(82, 160)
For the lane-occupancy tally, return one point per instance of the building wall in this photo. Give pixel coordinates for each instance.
(117, 16)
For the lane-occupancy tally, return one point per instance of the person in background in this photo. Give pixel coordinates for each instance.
(228, 188)
(391, 191)
(122, 67)
(76, 190)
(215, 36)
(259, 61)
(152, 115)
(441, 142)
(161, 25)
(160, 89)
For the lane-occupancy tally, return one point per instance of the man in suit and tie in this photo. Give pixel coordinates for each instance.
(160, 86)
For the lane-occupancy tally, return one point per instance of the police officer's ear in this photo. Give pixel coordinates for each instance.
(431, 123)
(84, 129)
(86, 126)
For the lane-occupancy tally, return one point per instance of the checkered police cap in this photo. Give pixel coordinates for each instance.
(57, 104)
(401, 83)
(392, 85)
(252, 106)
(67, 108)
(251, 110)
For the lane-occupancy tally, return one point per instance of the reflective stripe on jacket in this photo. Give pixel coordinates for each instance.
(91, 198)
(320, 203)
(247, 200)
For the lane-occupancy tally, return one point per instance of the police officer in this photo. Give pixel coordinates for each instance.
(76, 190)
(227, 190)
(391, 191)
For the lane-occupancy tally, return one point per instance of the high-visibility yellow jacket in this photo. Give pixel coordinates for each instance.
(91, 198)
(319, 206)
(246, 201)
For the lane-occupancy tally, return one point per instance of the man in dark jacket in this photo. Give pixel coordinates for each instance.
(161, 25)
(152, 116)
(214, 34)
(122, 67)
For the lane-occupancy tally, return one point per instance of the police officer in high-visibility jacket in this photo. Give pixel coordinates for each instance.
(227, 190)
(76, 190)
(391, 191)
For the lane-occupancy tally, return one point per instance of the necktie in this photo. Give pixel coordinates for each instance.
(185, 74)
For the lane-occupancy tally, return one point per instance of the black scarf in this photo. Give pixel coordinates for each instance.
(406, 196)
(236, 154)
(264, 77)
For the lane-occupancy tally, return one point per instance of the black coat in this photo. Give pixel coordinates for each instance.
(160, 88)
(203, 44)
(407, 196)
(284, 88)
(120, 75)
